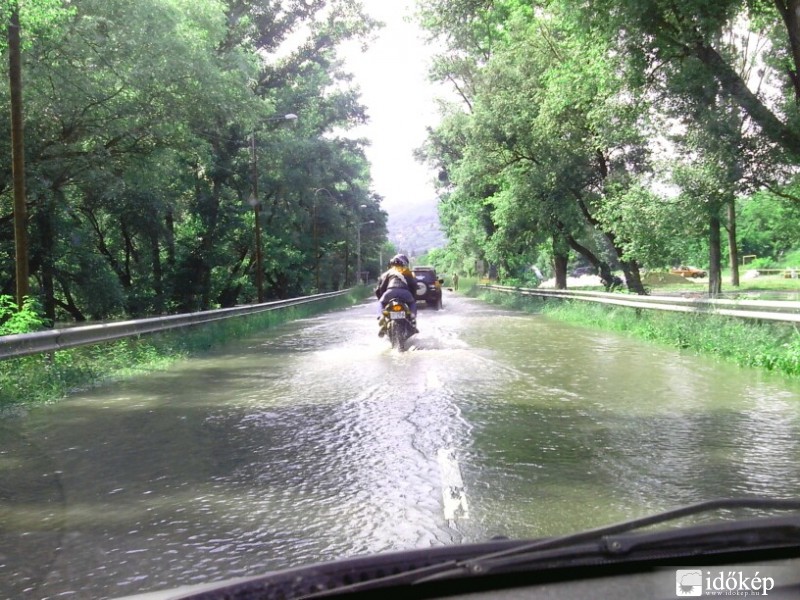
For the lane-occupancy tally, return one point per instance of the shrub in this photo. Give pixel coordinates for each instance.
(761, 263)
(13, 320)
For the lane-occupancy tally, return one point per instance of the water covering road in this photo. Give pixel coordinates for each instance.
(315, 441)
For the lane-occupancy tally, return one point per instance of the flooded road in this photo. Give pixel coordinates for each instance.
(316, 441)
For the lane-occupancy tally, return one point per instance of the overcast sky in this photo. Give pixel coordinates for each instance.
(392, 75)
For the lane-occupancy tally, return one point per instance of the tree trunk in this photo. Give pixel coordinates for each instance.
(560, 260)
(69, 306)
(733, 84)
(790, 13)
(170, 222)
(601, 267)
(44, 221)
(633, 278)
(18, 155)
(733, 251)
(714, 257)
(606, 276)
(127, 278)
(631, 268)
(231, 290)
(211, 205)
(158, 271)
(346, 265)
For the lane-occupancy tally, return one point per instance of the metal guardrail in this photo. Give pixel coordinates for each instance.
(768, 310)
(26, 344)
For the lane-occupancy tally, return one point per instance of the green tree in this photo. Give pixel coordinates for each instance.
(36, 15)
(768, 225)
(564, 106)
(551, 133)
(662, 37)
(141, 154)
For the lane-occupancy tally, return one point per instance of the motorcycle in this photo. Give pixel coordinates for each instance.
(397, 323)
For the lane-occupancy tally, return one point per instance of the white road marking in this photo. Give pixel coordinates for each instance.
(453, 494)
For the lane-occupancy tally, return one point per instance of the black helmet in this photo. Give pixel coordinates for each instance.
(399, 260)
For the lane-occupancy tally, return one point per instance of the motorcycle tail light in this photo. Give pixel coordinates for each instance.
(397, 308)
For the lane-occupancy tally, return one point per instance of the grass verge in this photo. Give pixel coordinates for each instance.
(769, 346)
(45, 378)
(465, 284)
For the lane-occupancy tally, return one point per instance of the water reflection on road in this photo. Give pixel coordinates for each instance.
(316, 441)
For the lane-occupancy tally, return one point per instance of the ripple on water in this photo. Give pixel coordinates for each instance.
(317, 441)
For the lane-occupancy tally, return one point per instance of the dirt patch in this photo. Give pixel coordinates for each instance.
(654, 278)
(575, 282)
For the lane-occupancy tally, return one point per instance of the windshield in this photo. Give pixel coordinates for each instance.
(234, 163)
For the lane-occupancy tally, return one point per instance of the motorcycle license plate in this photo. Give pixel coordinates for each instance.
(397, 315)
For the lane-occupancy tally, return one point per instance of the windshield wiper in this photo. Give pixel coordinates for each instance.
(525, 552)
(599, 543)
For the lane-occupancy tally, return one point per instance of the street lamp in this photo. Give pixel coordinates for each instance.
(254, 202)
(358, 249)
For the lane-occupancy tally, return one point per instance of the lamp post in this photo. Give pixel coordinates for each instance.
(256, 204)
(358, 249)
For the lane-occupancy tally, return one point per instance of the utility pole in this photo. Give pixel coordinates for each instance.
(18, 156)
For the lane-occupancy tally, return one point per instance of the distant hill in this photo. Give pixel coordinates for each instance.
(416, 230)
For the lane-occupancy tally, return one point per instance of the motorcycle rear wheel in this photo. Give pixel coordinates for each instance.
(398, 336)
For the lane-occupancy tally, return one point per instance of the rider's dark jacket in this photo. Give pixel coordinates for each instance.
(395, 279)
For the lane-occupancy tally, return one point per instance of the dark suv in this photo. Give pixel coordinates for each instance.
(429, 287)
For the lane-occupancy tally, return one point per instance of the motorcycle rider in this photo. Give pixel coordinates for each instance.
(398, 282)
